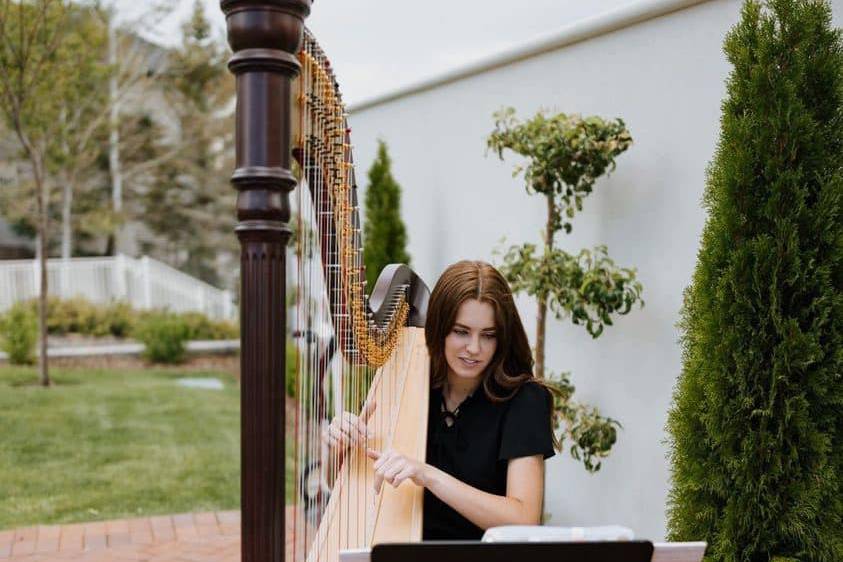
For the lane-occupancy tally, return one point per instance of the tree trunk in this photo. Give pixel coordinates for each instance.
(42, 197)
(115, 242)
(66, 227)
(66, 204)
(541, 315)
(540, 326)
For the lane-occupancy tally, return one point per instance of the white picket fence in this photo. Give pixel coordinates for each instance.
(144, 283)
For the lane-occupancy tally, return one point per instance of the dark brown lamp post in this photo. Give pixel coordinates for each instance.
(265, 36)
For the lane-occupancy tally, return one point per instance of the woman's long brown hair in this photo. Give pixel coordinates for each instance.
(512, 364)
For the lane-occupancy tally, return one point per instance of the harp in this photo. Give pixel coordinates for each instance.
(358, 354)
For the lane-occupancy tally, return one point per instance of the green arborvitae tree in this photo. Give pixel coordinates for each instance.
(757, 421)
(384, 233)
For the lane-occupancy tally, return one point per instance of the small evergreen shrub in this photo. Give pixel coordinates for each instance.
(120, 318)
(200, 327)
(384, 234)
(18, 334)
(164, 336)
(80, 316)
(74, 316)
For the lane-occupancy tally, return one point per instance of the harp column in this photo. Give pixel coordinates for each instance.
(265, 36)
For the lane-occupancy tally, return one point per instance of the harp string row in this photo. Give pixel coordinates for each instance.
(334, 506)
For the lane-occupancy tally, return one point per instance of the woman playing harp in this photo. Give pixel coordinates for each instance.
(446, 409)
(488, 419)
(381, 367)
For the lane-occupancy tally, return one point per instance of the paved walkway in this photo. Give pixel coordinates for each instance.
(197, 346)
(188, 537)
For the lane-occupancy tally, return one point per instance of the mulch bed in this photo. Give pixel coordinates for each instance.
(225, 363)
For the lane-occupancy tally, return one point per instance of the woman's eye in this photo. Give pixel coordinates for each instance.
(460, 332)
(489, 336)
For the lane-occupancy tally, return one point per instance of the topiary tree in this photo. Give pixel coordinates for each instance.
(565, 155)
(756, 429)
(384, 234)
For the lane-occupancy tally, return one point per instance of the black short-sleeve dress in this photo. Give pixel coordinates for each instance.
(478, 446)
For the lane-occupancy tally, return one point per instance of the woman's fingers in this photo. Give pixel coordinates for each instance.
(347, 424)
(368, 410)
(353, 426)
(346, 430)
(385, 457)
(392, 469)
(381, 459)
(406, 472)
(337, 438)
(378, 481)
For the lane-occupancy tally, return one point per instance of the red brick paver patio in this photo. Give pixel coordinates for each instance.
(187, 537)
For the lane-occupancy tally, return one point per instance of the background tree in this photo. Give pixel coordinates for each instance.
(81, 156)
(756, 427)
(134, 63)
(192, 189)
(75, 148)
(385, 238)
(35, 70)
(565, 154)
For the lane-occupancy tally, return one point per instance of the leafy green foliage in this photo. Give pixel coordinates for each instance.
(384, 233)
(121, 319)
(200, 327)
(587, 287)
(18, 334)
(80, 316)
(564, 156)
(591, 435)
(164, 336)
(755, 427)
(56, 91)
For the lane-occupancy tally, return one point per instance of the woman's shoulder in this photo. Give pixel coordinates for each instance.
(532, 392)
(527, 429)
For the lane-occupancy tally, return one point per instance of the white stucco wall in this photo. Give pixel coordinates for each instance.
(666, 78)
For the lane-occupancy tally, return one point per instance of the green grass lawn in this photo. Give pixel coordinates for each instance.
(105, 444)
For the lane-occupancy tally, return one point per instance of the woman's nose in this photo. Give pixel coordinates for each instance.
(474, 345)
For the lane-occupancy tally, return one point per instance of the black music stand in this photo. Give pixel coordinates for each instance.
(460, 551)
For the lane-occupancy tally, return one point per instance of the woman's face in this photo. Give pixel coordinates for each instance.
(472, 341)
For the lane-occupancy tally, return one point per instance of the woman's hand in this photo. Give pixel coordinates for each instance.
(348, 430)
(395, 468)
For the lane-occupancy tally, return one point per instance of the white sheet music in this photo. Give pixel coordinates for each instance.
(546, 533)
(357, 555)
(678, 551)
